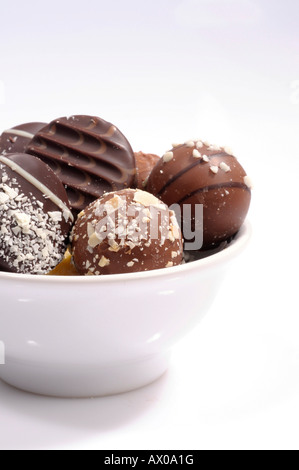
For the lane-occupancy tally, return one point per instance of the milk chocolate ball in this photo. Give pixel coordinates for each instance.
(145, 162)
(35, 217)
(124, 232)
(199, 173)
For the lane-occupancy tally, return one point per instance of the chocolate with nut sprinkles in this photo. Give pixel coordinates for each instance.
(199, 173)
(124, 232)
(89, 155)
(15, 140)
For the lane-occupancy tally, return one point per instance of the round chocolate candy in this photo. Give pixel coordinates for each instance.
(199, 173)
(124, 232)
(15, 140)
(89, 155)
(145, 162)
(35, 216)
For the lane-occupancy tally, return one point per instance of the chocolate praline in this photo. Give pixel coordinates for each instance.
(89, 155)
(145, 162)
(35, 217)
(199, 173)
(124, 232)
(15, 140)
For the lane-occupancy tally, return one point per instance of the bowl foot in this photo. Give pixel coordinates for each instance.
(83, 381)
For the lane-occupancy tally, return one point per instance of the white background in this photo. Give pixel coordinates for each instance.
(163, 71)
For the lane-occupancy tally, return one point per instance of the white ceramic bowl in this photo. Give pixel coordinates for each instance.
(92, 336)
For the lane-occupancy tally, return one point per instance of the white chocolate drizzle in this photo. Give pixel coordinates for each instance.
(40, 186)
(19, 133)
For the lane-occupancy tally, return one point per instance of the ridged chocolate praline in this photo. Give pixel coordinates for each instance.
(89, 155)
(200, 173)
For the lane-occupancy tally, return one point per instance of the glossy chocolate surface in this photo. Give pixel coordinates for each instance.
(15, 140)
(200, 173)
(89, 155)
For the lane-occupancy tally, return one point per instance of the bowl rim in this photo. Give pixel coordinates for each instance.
(233, 249)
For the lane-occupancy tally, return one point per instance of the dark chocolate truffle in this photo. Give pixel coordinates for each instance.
(124, 232)
(89, 155)
(15, 140)
(199, 173)
(35, 216)
(145, 162)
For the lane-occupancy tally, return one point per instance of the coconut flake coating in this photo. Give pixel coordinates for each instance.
(126, 231)
(35, 217)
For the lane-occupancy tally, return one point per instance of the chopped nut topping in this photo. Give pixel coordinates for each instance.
(225, 167)
(167, 157)
(90, 229)
(146, 199)
(171, 237)
(248, 182)
(113, 204)
(214, 148)
(131, 245)
(104, 262)
(113, 246)
(94, 240)
(169, 264)
(228, 150)
(82, 213)
(190, 143)
(214, 169)
(196, 154)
